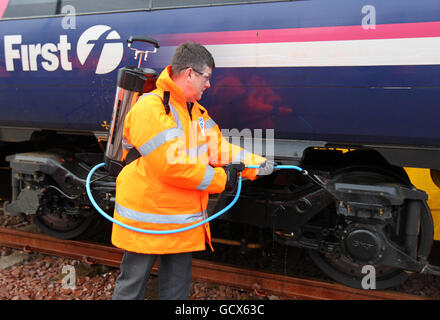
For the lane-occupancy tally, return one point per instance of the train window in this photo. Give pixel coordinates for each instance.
(87, 6)
(162, 4)
(30, 8)
(44, 8)
(239, 1)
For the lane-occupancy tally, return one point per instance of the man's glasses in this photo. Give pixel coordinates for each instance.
(204, 74)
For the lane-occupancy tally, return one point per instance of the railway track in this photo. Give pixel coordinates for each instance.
(294, 288)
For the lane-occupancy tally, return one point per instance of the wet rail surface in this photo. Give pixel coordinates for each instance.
(291, 287)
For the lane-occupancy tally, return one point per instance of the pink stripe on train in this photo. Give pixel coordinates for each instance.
(357, 32)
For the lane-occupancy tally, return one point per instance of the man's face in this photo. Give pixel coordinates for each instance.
(198, 81)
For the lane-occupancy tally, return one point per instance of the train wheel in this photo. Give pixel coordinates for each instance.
(65, 226)
(343, 269)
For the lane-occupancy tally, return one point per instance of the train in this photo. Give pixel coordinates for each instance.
(346, 90)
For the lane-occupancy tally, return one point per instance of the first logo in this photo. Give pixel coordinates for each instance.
(52, 56)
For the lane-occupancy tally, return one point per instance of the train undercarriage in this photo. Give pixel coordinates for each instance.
(355, 211)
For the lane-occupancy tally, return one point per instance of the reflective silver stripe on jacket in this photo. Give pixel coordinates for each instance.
(176, 116)
(207, 179)
(146, 95)
(159, 139)
(209, 124)
(197, 151)
(158, 218)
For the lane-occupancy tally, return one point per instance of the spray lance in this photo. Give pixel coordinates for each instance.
(132, 83)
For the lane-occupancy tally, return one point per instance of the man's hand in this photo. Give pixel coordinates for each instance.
(232, 171)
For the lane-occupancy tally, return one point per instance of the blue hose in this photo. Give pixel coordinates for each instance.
(229, 206)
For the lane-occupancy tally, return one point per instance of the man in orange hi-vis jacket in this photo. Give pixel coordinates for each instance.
(183, 158)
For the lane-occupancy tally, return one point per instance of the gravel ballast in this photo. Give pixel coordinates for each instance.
(42, 277)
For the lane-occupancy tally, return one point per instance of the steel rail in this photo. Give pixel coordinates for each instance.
(267, 283)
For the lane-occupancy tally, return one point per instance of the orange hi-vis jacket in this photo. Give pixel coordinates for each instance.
(169, 185)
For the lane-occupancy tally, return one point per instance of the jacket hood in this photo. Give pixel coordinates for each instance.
(165, 83)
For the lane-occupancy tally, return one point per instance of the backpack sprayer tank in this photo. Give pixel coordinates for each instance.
(132, 83)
